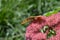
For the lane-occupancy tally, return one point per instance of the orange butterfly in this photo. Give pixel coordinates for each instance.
(30, 19)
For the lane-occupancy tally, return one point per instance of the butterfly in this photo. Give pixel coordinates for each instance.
(31, 18)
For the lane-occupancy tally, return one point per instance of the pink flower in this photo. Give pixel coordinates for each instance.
(33, 31)
(34, 28)
(53, 19)
(56, 37)
(39, 36)
(36, 25)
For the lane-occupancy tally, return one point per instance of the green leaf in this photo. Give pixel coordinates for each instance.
(51, 33)
(44, 29)
(50, 13)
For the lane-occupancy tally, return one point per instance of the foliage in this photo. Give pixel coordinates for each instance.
(12, 12)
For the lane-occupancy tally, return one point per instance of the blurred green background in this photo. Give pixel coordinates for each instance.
(12, 12)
